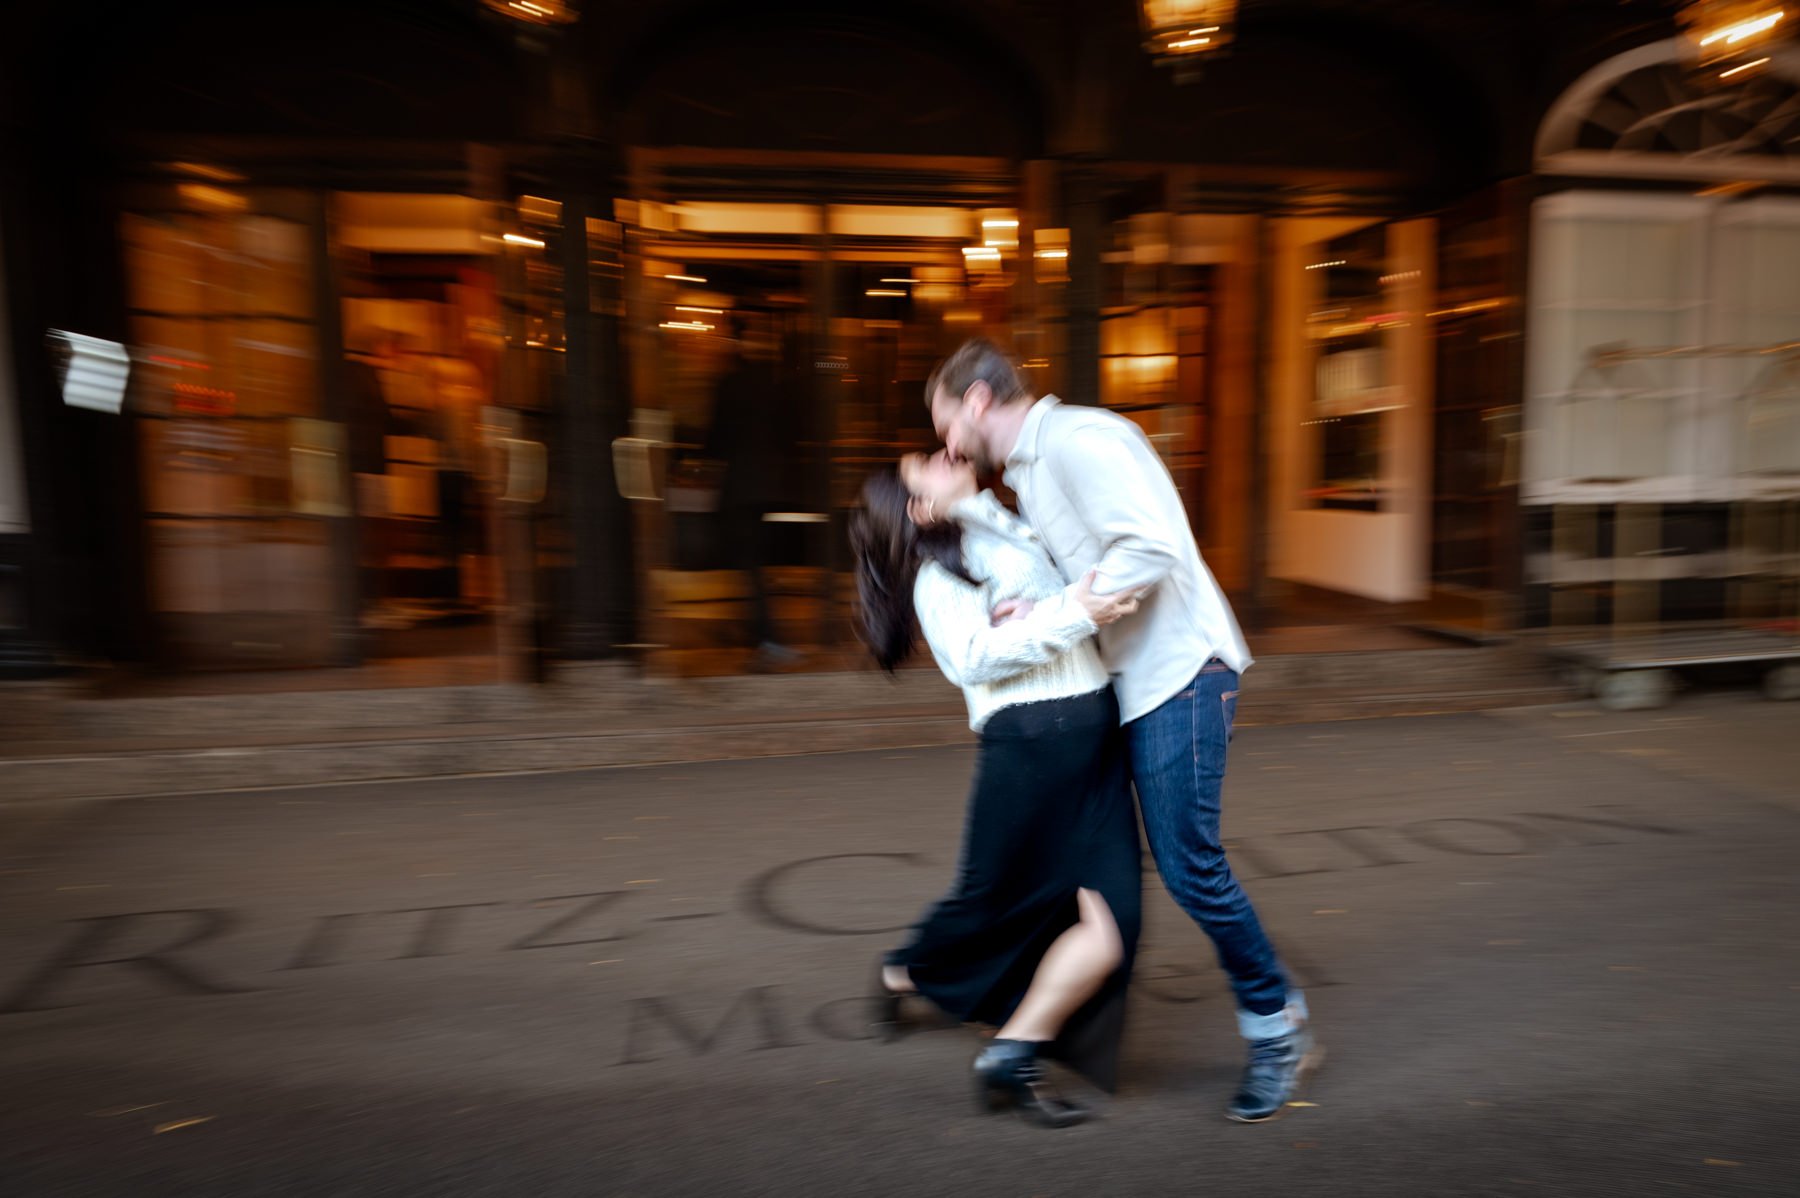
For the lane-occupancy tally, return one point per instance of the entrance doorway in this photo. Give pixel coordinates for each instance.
(420, 318)
(780, 352)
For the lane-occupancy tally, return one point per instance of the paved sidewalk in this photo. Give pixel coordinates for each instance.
(60, 744)
(1550, 952)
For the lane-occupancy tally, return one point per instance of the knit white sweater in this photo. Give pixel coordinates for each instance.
(1049, 654)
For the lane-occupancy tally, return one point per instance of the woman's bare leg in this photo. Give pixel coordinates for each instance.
(1074, 968)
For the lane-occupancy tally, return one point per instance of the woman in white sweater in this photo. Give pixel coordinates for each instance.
(1037, 933)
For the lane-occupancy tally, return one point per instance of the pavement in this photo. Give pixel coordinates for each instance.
(1549, 950)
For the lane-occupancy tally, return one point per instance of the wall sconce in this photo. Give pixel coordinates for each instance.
(1181, 32)
(536, 12)
(1732, 41)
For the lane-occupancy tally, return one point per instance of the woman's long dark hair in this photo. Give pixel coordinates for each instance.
(889, 549)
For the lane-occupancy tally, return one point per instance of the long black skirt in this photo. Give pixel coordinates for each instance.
(1050, 813)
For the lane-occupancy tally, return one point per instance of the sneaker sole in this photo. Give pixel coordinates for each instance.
(1308, 1064)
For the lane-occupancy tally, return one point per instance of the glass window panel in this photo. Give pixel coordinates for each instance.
(162, 265)
(272, 364)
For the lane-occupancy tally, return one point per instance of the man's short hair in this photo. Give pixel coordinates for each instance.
(978, 360)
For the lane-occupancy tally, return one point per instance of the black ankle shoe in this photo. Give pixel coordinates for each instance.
(1009, 1074)
(887, 1016)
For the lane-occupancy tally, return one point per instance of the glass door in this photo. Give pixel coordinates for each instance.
(1155, 328)
(443, 378)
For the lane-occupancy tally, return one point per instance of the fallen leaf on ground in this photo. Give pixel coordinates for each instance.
(178, 1124)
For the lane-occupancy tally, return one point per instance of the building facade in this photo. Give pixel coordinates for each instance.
(480, 343)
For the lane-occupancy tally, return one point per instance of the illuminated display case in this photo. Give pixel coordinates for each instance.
(225, 394)
(1353, 386)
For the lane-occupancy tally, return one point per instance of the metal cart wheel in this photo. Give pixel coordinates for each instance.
(1783, 682)
(1583, 680)
(1635, 690)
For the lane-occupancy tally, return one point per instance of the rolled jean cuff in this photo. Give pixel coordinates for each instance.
(1266, 1027)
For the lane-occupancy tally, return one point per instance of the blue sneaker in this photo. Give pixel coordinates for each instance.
(1273, 1075)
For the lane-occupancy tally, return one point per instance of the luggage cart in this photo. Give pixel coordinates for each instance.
(1634, 671)
(1606, 627)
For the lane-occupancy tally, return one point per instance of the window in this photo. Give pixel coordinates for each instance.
(1636, 273)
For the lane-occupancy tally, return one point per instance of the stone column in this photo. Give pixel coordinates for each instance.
(596, 411)
(1081, 197)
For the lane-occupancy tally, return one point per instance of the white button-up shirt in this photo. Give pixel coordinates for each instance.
(1095, 491)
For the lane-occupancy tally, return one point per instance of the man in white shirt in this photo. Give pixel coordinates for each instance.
(1093, 488)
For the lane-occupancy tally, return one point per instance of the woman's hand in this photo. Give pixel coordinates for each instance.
(1105, 609)
(1010, 609)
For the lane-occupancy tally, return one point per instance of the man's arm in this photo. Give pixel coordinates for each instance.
(973, 651)
(1109, 476)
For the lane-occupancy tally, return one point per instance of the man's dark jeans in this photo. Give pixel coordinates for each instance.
(1178, 763)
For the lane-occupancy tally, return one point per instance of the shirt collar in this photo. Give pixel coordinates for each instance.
(1025, 449)
(984, 510)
